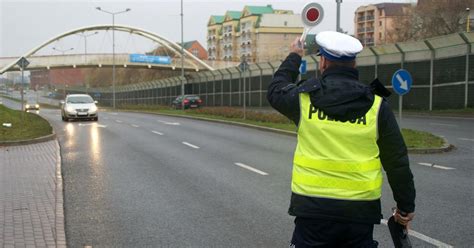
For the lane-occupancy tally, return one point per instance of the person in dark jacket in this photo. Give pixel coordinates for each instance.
(346, 135)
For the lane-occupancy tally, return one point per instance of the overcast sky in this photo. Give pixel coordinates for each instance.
(27, 24)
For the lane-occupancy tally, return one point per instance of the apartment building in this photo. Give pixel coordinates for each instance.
(214, 32)
(255, 34)
(374, 24)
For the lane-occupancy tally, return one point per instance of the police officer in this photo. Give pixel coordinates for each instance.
(346, 135)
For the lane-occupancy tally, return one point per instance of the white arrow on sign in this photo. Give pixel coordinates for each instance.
(403, 83)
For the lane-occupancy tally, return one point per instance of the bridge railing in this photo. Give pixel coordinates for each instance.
(92, 60)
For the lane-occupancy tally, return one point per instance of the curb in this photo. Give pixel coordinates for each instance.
(445, 148)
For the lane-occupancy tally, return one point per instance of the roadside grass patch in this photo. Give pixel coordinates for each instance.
(420, 139)
(32, 126)
(413, 138)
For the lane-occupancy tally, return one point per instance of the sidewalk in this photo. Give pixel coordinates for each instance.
(31, 196)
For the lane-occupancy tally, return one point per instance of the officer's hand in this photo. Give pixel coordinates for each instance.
(297, 47)
(403, 220)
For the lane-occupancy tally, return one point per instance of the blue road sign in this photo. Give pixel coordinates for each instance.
(401, 82)
(142, 58)
(303, 67)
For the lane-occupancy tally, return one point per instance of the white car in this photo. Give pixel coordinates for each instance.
(79, 106)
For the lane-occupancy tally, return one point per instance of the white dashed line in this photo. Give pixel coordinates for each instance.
(465, 139)
(437, 166)
(423, 237)
(112, 113)
(251, 169)
(443, 124)
(156, 132)
(190, 145)
(169, 123)
(118, 121)
(133, 125)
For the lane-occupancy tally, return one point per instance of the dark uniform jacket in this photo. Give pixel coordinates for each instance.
(340, 95)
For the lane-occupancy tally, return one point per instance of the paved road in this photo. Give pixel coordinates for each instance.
(146, 180)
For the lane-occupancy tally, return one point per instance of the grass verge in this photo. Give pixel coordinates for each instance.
(29, 126)
(413, 138)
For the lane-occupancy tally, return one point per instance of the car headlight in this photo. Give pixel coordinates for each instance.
(27, 106)
(70, 109)
(93, 108)
(37, 105)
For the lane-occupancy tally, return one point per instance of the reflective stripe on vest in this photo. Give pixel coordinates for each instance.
(335, 159)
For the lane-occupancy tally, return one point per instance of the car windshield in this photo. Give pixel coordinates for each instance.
(80, 99)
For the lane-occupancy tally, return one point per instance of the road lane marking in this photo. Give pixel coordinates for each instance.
(423, 237)
(443, 124)
(156, 132)
(437, 166)
(169, 123)
(465, 139)
(92, 124)
(250, 168)
(112, 113)
(118, 121)
(133, 125)
(190, 145)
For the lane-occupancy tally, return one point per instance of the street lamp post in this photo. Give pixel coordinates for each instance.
(338, 20)
(468, 24)
(85, 36)
(113, 47)
(182, 56)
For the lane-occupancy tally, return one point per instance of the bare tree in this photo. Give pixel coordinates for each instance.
(430, 18)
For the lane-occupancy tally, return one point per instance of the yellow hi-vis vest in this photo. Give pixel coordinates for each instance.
(335, 159)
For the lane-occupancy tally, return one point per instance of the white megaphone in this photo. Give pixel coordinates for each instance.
(311, 15)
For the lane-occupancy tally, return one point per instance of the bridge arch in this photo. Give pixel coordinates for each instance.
(133, 30)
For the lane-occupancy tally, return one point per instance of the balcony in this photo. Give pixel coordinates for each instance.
(369, 30)
(361, 30)
(370, 18)
(361, 18)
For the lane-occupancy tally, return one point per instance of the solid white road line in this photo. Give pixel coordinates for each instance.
(156, 132)
(437, 166)
(118, 121)
(443, 124)
(133, 125)
(190, 145)
(466, 139)
(423, 237)
(251, 169)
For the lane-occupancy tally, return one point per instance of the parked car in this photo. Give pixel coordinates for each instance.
(32, 104)
(79, 106)
(189, 101)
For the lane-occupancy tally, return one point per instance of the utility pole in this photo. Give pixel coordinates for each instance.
(85, 43)
(338, 20)
(182, 57)
(113, 47)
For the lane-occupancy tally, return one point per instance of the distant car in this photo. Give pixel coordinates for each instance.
(189, 101)
(79, 106)
(32, 104)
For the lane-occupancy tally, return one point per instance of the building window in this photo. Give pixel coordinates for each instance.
(380, 23)
(285, 23)
(285, 36)
(195, 52)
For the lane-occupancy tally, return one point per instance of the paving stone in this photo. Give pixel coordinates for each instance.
(31, 198)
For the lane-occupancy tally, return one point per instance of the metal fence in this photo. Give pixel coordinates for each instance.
(442, 69)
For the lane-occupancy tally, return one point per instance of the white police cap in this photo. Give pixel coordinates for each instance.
(338, 46)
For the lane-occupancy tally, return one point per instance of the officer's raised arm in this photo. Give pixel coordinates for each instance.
(282, 92)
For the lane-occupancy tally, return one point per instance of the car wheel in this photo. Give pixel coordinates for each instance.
(96, 119)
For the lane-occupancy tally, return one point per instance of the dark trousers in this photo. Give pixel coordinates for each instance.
(325, 233)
